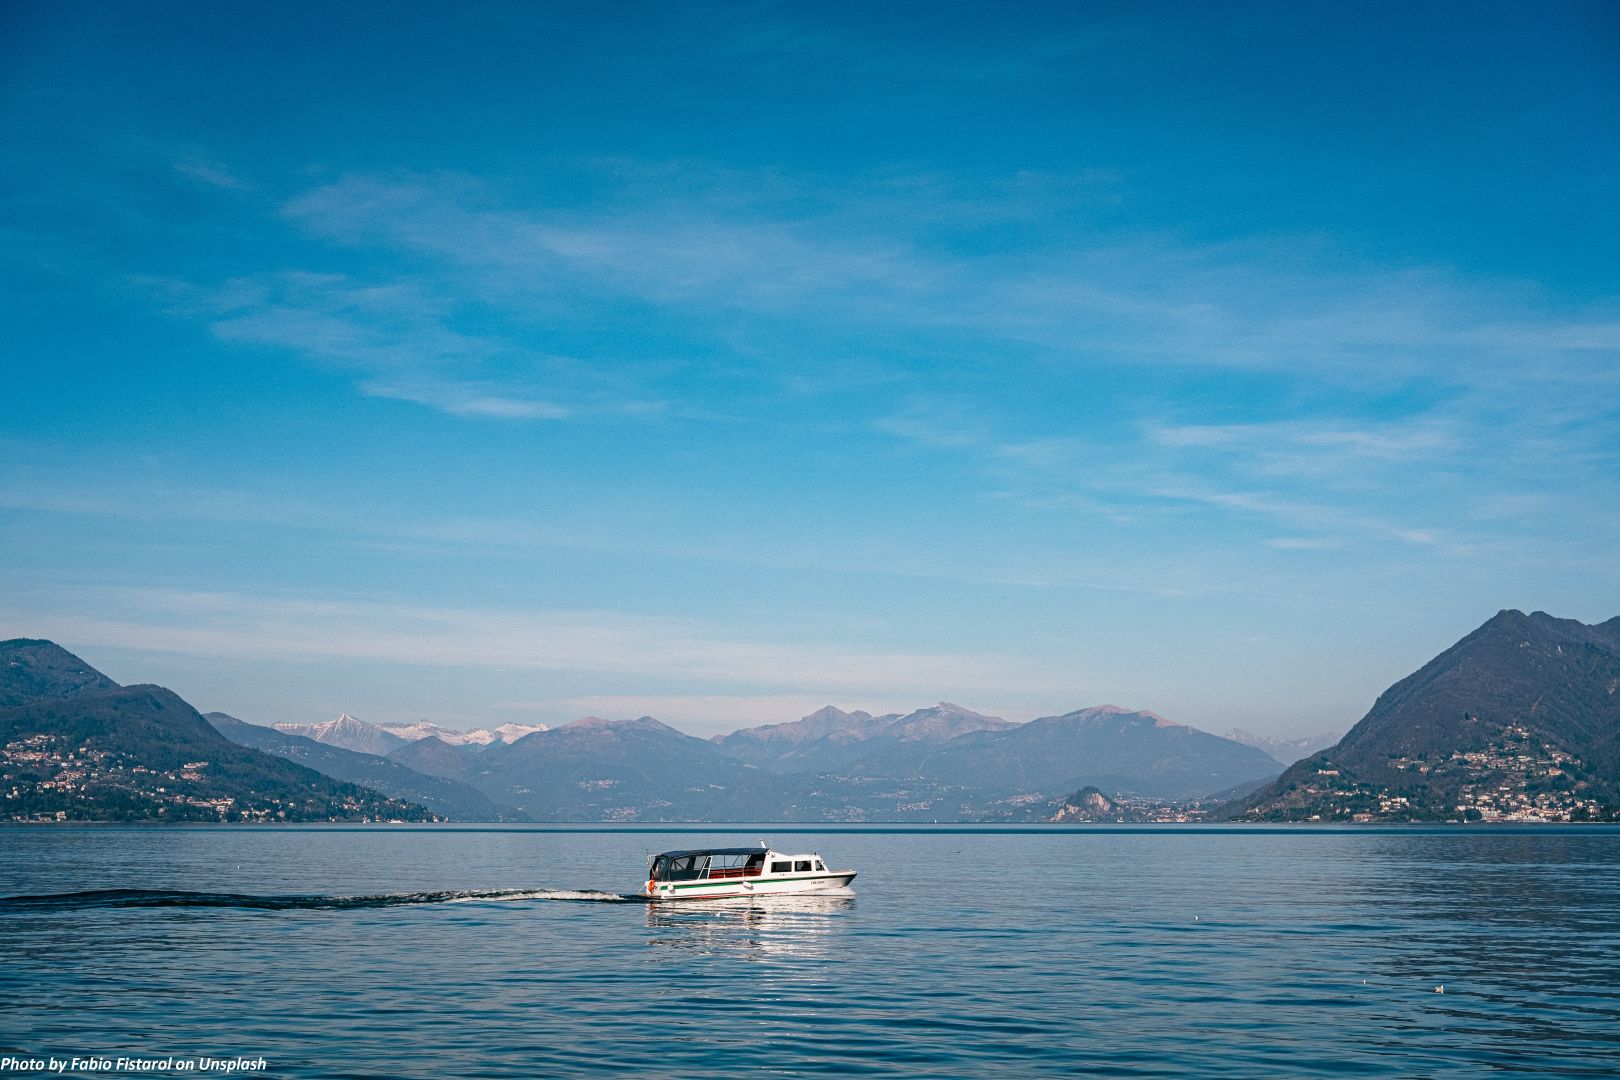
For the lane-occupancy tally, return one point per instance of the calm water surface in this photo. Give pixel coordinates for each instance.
(1155, 951)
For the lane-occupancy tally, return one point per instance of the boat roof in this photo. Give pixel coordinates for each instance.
(714, 851)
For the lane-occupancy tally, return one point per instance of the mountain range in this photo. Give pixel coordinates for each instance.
(351, 734)
(1115, 749)
(75, 745)
(596, 769)
(443, 796)
(347, 733)
(942, 762)
(831, 740)
(1520, 720)
(422, 729)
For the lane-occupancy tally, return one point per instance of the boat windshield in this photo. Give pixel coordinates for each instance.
(686, 867)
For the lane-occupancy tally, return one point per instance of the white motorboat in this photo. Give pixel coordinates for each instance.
(718, 873)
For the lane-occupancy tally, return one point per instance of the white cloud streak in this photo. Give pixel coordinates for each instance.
(477, 399)
(864, 261)
(777, 271)
(633, 647)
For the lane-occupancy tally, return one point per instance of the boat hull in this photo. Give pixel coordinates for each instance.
(796, 885)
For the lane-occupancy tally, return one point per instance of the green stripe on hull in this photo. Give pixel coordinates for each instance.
(754, 881)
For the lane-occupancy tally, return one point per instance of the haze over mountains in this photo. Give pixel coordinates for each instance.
(942, 761)
(938, 762)
(1286, 751)
(1519, 720)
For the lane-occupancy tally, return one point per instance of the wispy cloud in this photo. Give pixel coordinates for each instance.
(462, 398)
(765, 274)
(665, 251)
(1335, 450)
(144, 492)
(212, 173)
(395, 337)
(631, 647)
(937, 424)
(733, 242)
(1301, 543)
(1382, 383)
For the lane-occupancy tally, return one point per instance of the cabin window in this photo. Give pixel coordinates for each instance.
(755, 864)
(823, 869)
(802, 866)
(781, 867)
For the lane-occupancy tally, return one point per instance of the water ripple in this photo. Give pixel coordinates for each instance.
(1135, 953)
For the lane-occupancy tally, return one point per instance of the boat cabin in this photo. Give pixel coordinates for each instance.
(719, 864)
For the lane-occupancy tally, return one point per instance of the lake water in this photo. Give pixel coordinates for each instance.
(962, 951)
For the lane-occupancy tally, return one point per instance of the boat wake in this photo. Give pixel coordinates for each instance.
(145, 898)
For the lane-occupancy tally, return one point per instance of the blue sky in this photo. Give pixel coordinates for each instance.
(720, 362)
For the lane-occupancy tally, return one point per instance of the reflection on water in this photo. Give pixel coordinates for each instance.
(1136, 952)
(753, 928)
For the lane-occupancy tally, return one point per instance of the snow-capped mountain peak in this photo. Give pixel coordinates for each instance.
(423, 729)
(347, 732)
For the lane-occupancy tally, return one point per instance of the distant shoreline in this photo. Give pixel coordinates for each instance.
(796, 827)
